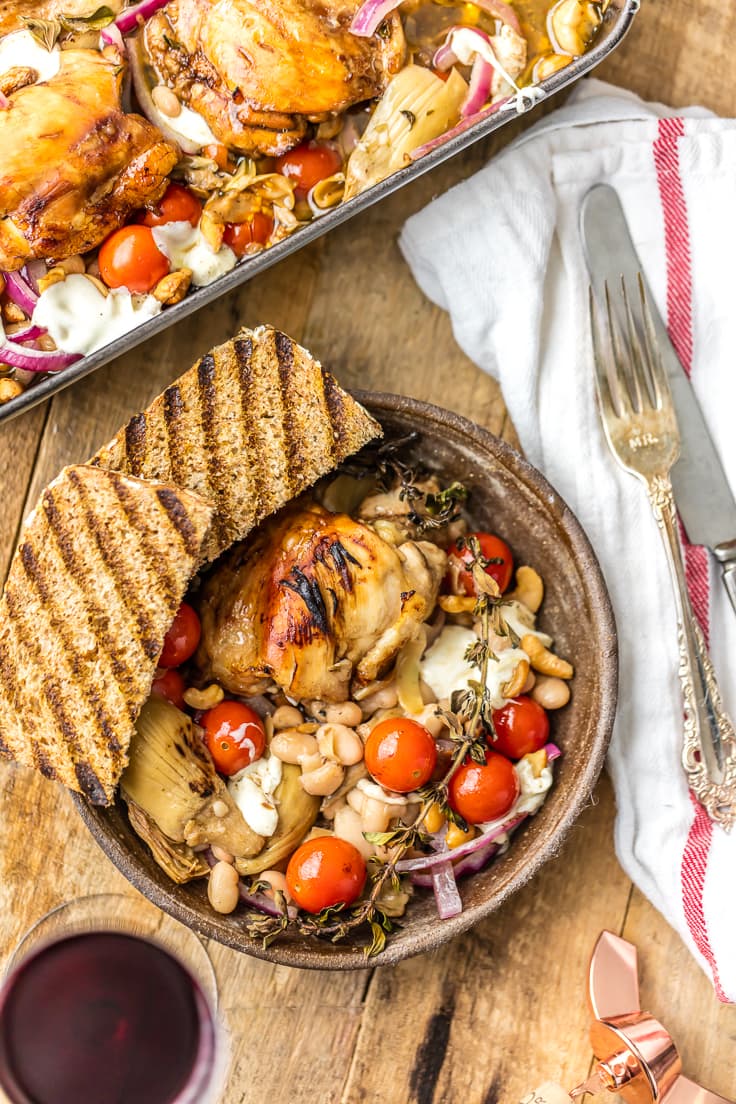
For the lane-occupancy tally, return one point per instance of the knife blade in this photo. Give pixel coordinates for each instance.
(704, 499)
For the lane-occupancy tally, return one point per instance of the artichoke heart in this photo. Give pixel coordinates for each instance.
(416, 107)
(297, 813)
(172, 778)
(178, 860)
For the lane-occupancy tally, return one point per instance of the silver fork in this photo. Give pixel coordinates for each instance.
(641, 428)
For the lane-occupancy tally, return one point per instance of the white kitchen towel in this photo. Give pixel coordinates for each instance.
(502, 253)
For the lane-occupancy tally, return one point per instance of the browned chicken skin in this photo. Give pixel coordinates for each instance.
(74, 166)
(259, 70)
(312, 601)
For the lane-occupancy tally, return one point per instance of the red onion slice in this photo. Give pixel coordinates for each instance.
(445, 891)
(35, 360)
(32, 272)
(459, 128)
(428, 862)
(111, 36)
(131, 18)
(4, 102)
(553, 752)
(20, 292)
(479, 88)
(29, 333)
(370, 15)
(261, 903)
(500, 10)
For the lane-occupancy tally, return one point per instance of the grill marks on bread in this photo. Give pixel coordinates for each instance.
(99, 573)
(105, 558)
(253, 424)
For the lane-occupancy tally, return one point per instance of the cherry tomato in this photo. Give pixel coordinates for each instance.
(492, 548)
(182, 638)
(258, 227)
(521, 727)
(400, 754)
(234, 734)
(484, 791)
(307, 164)
(170, 685)
(324, 872)
(130, 258)
(177, 204)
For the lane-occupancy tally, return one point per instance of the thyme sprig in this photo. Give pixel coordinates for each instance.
(386, 464)
(469, 718)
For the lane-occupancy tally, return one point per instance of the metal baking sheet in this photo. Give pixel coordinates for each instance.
(617, 22)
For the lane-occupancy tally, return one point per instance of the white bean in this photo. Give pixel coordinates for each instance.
(349, 826)
(223, 887)
(277, 881)
(292, 747)
(385, 698)
(531, 680)
(286, 716)
(346, 713)
(166, 100)
(377, 814)
(337, 741)
(324, 780)
(550, 692)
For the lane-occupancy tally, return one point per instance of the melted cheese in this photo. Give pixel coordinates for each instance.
(81, 319)
(252, 790)
(190, 124)
(22, 50)
(186, 247)
(445, 669)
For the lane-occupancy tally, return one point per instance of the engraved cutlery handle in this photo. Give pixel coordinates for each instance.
(709, 748)
(726, 556)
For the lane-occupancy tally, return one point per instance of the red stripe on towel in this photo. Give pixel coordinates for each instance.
(666, 153)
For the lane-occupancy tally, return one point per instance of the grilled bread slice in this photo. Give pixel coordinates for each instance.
(253, 424)
(101, 568)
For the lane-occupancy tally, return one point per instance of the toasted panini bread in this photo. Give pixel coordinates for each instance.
(101, 568)
(253, 424)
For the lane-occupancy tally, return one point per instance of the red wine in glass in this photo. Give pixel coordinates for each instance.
(104, 1017)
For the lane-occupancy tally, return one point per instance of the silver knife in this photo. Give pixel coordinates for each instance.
(704, 499)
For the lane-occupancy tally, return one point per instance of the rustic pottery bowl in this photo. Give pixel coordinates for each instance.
(509, 497)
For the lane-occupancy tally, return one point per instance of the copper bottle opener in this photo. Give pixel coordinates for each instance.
(636, 1055)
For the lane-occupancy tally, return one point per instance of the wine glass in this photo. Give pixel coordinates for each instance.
(107, 998)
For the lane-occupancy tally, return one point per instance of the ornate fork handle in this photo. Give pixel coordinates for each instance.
(709, 748)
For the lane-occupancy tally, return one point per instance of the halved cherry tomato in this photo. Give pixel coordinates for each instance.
(484, 791)
(177, 204)
(522, 727)
(492, 548)
(182, 638)
(400, 754)
(307, 164)
(324, 872)
(130, 258)
(258, 227)
(170, 685)
(234, 735)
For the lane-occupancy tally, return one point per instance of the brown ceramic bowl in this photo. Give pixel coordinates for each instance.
(511, 498)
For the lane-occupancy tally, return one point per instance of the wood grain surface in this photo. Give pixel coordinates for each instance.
(501, 1010)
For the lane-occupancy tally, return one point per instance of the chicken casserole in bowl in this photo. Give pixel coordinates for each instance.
(505, 496)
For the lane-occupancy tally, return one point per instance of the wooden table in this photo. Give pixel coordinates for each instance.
(501, 1009)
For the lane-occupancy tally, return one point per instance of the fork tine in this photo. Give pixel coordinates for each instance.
(638, 371)
(658, 374)
(601, 360)
(617, 373)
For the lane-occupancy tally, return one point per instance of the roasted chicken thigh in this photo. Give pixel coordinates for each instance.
(313, 601)
(74, 165)
(259, 70)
